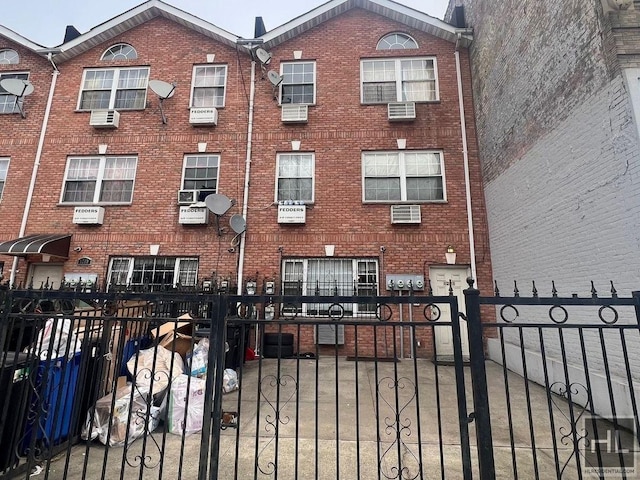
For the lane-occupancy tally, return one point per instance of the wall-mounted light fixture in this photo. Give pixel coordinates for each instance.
(451, 255)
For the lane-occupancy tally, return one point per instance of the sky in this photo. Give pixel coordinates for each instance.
(44, 21)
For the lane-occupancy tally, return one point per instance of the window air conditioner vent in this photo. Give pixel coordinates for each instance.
(188, 197)
(104, 118)
(326, 334)
(405, 214)
(400, 112)
(203, 116)
(294, 113)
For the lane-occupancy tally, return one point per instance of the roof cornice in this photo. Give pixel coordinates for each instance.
(19, 39)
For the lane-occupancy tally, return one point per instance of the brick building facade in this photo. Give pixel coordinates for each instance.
(335, 194)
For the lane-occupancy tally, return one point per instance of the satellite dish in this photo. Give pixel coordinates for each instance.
(162, 89)
(263, 56)
(238, 223)
(218, 203)
(274, 78)
(18, 87)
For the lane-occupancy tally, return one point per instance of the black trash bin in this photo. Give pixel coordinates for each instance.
(15, 370)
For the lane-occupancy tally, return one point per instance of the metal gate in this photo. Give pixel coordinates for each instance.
(202, 385)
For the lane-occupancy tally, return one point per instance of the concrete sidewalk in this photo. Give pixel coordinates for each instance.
(334, 418)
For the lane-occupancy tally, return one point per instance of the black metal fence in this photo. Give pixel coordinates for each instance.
(202, 385)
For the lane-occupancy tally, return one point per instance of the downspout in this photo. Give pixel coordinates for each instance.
(465, 155)
(36, 164)
(247, 171)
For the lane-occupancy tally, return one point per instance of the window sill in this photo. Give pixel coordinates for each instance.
(118, 109)
(99, 204)
(419, 102)
(404, 202)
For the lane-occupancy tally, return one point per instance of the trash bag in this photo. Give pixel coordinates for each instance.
(183, 417)
(198, 359)
(58, 335)
(229, 380)
(148, 375)
(140, 417)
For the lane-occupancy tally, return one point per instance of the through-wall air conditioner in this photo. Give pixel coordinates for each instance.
(188, 197)
(203, 116)
(294, 113)
(405, 214)
(401, 112)
(104, 118)
(88, 215)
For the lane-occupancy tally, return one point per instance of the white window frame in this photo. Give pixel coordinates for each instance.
(12, 98)
(114, 88)
(402, 154)
(308, 288)
(194, 87)
(8, 56)
(314, 83)
(398, 79)
(309, 155)
(4, 171)
(128, 274)
(198, 156)
(119, 56)
(99, 180)
(390, 46)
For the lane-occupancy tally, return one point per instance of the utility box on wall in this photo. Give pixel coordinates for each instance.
(405, 282)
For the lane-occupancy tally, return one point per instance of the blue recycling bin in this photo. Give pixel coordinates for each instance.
(49, 417)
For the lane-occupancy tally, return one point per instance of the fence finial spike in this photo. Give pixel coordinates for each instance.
(430, 289)
(516, 292)
(451, 288)
(594, 293)
(554, 292)
(496, 290)
(471, 282)
(614, 292)
(535, 290)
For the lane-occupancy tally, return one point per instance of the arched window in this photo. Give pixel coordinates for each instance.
(9, 56)
(121, 51)
(396, 41)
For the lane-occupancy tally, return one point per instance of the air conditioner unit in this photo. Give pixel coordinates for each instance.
(104, 118)
(401, 112)
(188, 197)
(203, 116)
(405, 214)
(88, 215)
(294, 113)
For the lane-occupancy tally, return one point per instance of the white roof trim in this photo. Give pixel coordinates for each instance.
(136, 16)
(411, 17)
(19, 39)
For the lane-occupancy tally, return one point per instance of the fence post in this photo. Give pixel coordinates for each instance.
(210, 442)
(479, 383)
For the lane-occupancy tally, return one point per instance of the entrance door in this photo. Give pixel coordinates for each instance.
(41, 273)
(441, 278)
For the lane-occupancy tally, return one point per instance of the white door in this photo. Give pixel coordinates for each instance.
(442, 278)
(41, 273)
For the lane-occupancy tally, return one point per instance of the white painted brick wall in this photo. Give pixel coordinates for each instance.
(569, 211)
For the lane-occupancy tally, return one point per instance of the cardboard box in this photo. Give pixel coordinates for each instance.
(178, 342)
(173, 326)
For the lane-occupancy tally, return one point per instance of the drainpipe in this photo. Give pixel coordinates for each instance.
(247, 168)
(36, 164)
(465, 155)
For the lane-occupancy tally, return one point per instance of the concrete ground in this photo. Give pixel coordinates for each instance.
(372, 425)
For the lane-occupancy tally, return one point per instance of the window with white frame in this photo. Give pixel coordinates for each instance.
(396, 41)
(4, 168)
(208, 85)
(121, 51)
(399, 80)
(9, 57)
(200, 172)
(295, 177)
(330, 276)
(298, 82)
(152, 273)
(99, 180)
(109, 88)
(8, 102)
(411, 176)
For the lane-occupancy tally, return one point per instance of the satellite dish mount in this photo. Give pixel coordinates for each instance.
(18, 87)
(275, 80)
(218, 204)
(164, 90)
